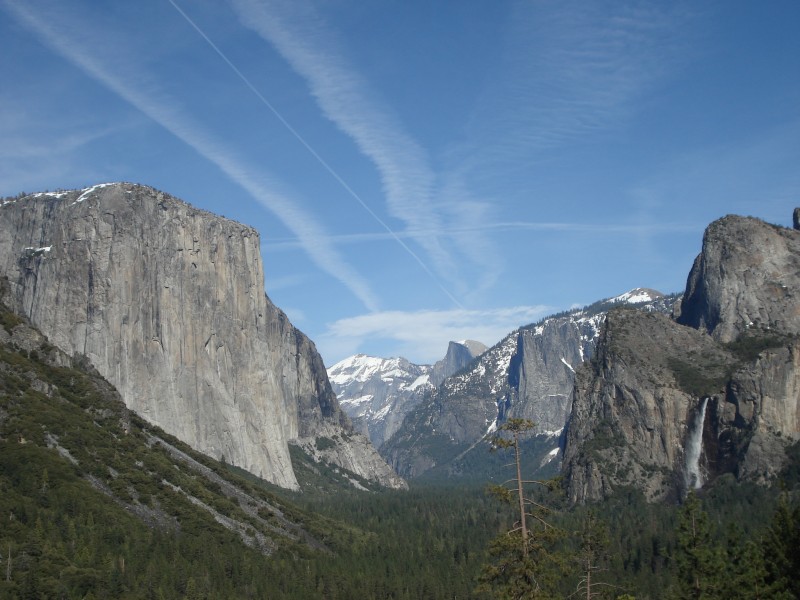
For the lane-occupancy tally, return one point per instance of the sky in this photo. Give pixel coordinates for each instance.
(419, 171)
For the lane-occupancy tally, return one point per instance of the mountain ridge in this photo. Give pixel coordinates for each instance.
(377, 393)
(527, 374)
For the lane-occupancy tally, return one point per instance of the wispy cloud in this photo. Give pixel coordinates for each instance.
(605, 229)
(346, 99)
(570, 70)
(422, 336)
(74, 38)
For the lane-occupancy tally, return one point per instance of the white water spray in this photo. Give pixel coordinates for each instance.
(694, 447)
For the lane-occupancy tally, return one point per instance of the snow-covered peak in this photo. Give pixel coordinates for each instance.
(361, 368)
(377, 393)
(356, 368)
(638, 295)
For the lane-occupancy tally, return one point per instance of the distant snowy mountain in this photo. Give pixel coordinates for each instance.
(528, 374)
(378, 393)
(638, 296)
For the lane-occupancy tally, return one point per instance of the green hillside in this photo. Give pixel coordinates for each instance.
(96, 503)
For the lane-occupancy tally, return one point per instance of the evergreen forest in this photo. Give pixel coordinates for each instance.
(96, 503)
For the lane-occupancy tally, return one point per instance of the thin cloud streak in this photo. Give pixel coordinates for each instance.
(345, 98)
(145, 96)
(634, 230)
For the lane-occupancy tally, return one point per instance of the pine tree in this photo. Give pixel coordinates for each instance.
(698, 559)
(522, 563)
(592, 559)
(746, 571)
(781, 548)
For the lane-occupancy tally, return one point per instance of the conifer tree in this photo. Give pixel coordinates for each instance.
(746, 571)
(698, 559)
(592, 559)
(782, 552)
(522, 563)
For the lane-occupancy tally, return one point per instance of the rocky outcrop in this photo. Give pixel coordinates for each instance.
(458, 356)
(746, 276)
(542, 370)
(167, 302)
(666, 406)
(631, 414)
(760, 415)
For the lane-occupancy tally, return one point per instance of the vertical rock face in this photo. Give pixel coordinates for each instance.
(631, 414)
(168, 304)
(459, 355)
(746, 276)
(731, 358)
(542, 370)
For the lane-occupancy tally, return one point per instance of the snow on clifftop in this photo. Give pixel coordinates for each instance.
(638, 295)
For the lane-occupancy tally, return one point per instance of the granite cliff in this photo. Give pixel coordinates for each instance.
(745, 277)
(167, 302)
(529, 374)
(459, 355)
(668, 404)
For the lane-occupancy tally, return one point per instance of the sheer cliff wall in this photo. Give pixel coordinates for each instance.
(168, 303)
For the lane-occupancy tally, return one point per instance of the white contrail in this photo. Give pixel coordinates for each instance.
(315, 154)
(131, 88)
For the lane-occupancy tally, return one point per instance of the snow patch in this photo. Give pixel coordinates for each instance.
(382, 412)
(49, 194)
(88, 192)
(569, 366)
(549, 457)
(420, 381)
(357, 401)
(637, 296)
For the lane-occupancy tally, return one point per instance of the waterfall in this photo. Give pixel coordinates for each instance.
(694, 447)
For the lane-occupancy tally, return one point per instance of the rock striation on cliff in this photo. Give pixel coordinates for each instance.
(668, 404)
(167, 302)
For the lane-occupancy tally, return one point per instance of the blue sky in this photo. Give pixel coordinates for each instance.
(420, 171)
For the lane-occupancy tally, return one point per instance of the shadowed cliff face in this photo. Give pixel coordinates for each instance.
(168, 303)
(731, 357)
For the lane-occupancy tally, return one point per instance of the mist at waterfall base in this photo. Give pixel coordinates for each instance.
(694, 447)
